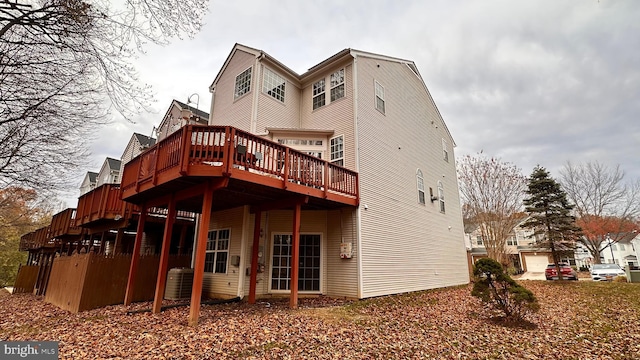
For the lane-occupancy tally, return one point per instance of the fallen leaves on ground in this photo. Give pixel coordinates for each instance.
(577, 320)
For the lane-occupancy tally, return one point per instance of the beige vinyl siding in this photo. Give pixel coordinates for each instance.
(226, 109)
(129, 152)
(272, 112)
(342, 274)
(406, 246)
(226, 284)
(171, 123)
(337, 115)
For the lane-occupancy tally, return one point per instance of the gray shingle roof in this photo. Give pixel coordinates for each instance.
(145, 140)
(198, 112)
(93, 176)
(114, 164)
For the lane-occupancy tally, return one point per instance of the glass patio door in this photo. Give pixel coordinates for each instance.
(309, 265)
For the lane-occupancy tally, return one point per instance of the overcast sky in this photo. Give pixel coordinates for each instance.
(531, 82)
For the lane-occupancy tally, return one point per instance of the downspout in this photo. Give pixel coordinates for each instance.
(213, 97)
(195, 241)
(243, 251)
(256, 93)
(357, 155)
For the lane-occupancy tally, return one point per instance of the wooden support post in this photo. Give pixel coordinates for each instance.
(201, 249)
(117, 245)
(102, 241)
(164, 256)
(295, 257)
(254, 258)
(183, 236)
(135, 257)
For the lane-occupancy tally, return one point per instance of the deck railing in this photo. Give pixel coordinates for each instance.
(103, 202)
(231, 149)
(64, 223)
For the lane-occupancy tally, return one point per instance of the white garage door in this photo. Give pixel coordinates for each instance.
(536, 263)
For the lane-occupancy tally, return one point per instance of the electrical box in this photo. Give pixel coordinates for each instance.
(235, 260)
(346, 250)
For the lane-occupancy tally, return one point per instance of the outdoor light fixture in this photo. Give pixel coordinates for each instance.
(197, 101)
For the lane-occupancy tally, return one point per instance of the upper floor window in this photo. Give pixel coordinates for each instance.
(273, 84)
(379, 97)
(337, 85)
(420, 181)
(337, 150)
(441, 195)
(243, 83)
(318, 94)
(621, 247)
(479, 240)
(445, 150)
(217, 251)
(512, 241)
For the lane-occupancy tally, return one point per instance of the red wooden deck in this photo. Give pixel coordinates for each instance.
(258, 170)
(63, 224)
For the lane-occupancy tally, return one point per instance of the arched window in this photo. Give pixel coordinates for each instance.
(441, 195)
(420, 183)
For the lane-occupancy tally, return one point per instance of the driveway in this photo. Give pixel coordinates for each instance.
(533, 275)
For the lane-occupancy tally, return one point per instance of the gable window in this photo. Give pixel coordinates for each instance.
(441, 195)
(445, 150)
(420, 181)
(337, 150)
(337, 85)
(243, 83)
(318, 94)
(379, 97)
(273, 84)
(217, 251)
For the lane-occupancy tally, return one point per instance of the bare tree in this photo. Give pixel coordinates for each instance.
(606, 206)
(64, 66)
(492, 193)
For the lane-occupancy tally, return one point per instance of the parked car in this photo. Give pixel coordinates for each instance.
(567, 272)
(604, 272)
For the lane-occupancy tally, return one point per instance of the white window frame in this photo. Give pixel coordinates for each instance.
(445, 150)
(319, 92)
(512, 240)
(241, 82)
(213, 247)
(336, 151)
(271, 83)
(420, 184)
(337, 80)
(479, 240)
(441, 196)
(321, 277)
(379, 97)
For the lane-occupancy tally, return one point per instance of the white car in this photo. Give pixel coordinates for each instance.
(604, 272)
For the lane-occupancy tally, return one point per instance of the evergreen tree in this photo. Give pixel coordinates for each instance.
(549, 215)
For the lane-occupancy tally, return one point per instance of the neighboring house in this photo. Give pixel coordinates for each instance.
(178, 115)
(521, 246)
(109, 172)
(89, 182)
(635, 244)
(622, 252)
(137, 144)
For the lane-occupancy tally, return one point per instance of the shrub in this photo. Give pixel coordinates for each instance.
(495, 287)
(620, 278)
(584, 268)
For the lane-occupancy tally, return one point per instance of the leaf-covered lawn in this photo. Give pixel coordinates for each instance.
(577, 320)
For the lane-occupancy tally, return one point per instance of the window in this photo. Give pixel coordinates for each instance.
(379, 97)
(318, 94)
(621, 247)
(337, 85)
(217, 251)
(309, 265)
(337, 150)
(420, 181)
(512, 241)
(243, 83)
(479, 240)
(445, 151)
(614, 247)
(441, 195)
(273, 84)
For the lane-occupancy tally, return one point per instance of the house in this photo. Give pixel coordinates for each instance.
(622, 252)
(524, 253)
(89, 182)
(340, 181)
(109, 172)
(135, 146)
(178, 115)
